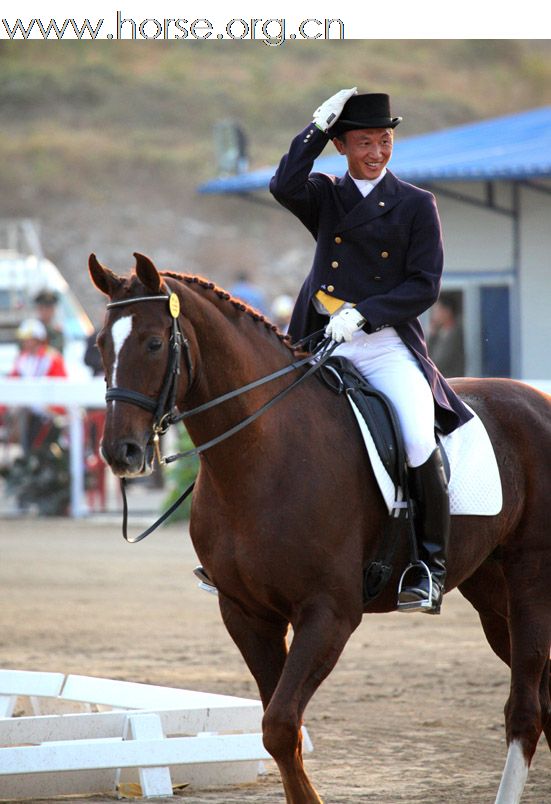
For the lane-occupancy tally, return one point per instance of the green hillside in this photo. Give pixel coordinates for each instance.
(96, 111)
(105, 142)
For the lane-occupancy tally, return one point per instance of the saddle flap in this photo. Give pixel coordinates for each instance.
(377, 410)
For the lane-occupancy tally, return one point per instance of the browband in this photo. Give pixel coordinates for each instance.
(137, 299)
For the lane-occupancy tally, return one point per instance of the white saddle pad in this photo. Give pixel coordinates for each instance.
(475, 484)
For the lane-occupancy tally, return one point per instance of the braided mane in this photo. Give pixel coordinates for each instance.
(201, 282)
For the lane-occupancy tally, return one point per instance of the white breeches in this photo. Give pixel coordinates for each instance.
(386, 362)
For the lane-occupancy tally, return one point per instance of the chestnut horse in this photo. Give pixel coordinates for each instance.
(286, 514)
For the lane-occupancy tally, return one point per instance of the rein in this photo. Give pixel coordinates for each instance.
(163, 406)
(320, 356)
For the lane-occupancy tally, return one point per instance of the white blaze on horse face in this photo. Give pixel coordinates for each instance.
(514, 776)
(120, 331)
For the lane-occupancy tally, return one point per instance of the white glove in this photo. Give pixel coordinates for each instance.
(344, 324)
(329, 111)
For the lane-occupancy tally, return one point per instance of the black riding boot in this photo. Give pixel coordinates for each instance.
(431, 490)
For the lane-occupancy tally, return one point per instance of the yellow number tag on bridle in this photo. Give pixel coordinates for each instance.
(174, 305)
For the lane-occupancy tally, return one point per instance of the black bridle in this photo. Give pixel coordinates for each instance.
(164, 406)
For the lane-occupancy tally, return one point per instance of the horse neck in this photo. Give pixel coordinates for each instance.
(230, 349)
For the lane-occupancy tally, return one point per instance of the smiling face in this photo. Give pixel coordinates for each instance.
(367, 150)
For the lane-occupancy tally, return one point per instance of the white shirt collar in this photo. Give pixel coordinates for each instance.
(365, 186)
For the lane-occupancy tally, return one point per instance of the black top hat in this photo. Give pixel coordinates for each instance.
(370, 110)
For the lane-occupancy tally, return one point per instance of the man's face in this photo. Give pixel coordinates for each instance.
(45, 312)
(367, 151)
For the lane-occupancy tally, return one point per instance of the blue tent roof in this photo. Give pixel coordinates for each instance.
(516, 146)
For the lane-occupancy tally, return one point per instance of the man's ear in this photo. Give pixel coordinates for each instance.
(339, 145)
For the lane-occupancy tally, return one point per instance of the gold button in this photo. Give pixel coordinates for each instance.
(338, 239)
(384, 254)
(334, 264)
(330, 288)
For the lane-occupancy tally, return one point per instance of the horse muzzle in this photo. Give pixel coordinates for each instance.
(128, 457)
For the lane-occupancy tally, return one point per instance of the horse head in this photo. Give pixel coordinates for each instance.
(142, 344)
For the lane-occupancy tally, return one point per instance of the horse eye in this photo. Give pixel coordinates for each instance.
(154, 344)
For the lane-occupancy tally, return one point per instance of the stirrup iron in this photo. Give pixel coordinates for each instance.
(417, 605)
(205, 582)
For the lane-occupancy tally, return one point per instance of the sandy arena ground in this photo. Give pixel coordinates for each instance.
(412, 713)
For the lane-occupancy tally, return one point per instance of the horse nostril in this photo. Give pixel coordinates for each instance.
(131, 453)
(123, 455)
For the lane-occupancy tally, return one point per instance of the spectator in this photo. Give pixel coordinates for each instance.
(445, 341)
(282, 308)
(92, 356)
(46, 307)
(246, 290)
(36, 359)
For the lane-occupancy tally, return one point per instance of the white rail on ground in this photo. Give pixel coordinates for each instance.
(156, 736)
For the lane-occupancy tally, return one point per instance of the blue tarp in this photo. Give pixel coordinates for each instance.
(513, 147)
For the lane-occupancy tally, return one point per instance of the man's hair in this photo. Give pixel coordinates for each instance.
(342, 136)
(450, 302)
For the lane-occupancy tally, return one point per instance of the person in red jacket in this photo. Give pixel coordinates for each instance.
(36, 358)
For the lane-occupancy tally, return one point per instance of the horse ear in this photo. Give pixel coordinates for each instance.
(147, 273)
(103, 278)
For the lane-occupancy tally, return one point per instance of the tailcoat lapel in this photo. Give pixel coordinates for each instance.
(359, 210)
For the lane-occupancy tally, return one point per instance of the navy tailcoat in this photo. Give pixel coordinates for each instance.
(383, 253)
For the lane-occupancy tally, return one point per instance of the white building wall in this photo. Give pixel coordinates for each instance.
(475, 239)
(482, 241)
(535, 283)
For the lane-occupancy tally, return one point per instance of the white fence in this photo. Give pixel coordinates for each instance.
(76, 396)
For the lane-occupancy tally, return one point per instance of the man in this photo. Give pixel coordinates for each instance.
(445, 341)
(377, 266)
(46, 305)
(249, 292)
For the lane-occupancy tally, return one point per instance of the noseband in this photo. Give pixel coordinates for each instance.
(163, 406)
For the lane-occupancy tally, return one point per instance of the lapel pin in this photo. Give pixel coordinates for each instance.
(381, 203)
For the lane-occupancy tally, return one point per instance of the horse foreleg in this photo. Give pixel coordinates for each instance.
(262, 644)
(320, 634)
